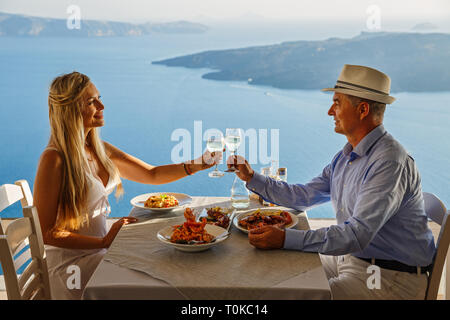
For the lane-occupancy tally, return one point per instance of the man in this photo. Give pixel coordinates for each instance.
(375, 189)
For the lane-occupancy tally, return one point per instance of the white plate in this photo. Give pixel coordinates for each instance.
(263, 210)
(139, 201)
(216, 231)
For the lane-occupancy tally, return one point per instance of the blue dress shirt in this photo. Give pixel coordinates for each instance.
(376, 192)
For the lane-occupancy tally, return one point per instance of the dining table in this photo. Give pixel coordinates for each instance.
(139, 266)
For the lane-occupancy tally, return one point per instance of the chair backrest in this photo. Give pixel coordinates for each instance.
(12, 194)
(27, 199)
(22, 248)
(437, 212)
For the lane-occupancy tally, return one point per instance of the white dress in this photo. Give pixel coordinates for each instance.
(63, 264)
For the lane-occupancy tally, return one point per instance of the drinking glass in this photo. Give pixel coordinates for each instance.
(215, 144)
(233, 138)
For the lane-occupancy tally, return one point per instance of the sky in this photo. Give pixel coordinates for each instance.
(216, 10)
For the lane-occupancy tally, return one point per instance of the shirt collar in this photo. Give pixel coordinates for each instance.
(364, 145)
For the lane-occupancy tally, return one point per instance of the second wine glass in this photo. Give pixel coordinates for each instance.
(233, 138)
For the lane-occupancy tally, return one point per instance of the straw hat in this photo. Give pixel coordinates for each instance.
(364, 82)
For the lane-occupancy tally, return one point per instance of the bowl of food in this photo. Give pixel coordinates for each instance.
(161, 201)
(257, 218)
(218, 216)
(192, 235)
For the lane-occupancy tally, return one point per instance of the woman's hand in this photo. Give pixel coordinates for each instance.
(115, 228)
(207, 160)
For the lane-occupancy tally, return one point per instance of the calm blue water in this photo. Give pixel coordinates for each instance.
(138, 97)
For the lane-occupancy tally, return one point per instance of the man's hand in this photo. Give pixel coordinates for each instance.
(245, 170)
(267, 237)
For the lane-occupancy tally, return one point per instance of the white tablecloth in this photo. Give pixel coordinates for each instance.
(293, 275)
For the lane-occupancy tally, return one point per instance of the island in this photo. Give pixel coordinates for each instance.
(416, 62)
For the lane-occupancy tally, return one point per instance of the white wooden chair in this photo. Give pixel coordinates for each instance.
(22, 243)
(437, 212)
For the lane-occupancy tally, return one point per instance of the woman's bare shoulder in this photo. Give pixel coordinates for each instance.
(51, 158)
(49, 173)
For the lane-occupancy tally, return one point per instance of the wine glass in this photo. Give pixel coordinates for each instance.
(233, 141)
(215, 144)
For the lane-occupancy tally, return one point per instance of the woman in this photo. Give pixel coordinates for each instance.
(76, 173)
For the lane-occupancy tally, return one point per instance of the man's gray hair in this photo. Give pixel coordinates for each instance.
(376, 108)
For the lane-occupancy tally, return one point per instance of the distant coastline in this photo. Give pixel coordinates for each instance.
(28, 26)
(416, 62)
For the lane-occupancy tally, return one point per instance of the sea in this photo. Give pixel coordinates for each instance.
(147, 105)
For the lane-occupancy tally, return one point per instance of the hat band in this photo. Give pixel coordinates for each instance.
(348, 85)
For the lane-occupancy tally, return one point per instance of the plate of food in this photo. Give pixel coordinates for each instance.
(218, 216)
(256, 218)
(161, 201)
(192, 236)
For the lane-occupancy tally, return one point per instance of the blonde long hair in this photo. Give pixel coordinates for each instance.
(65, 101)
